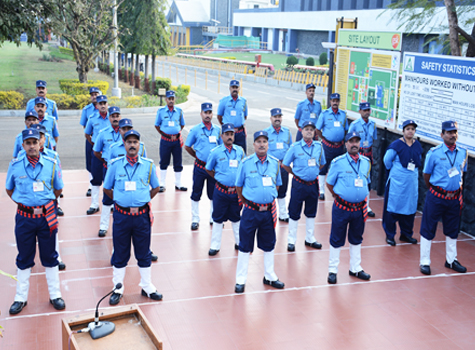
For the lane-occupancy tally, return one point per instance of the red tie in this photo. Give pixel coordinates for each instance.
(33, 160)
(208, 125)
(451, 147)
(277, 130)
(355, 157)
(309, 143)
(262, 159)
(230, 148)
(132, 160)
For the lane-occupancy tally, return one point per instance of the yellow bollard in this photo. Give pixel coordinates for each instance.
(176, 68)
(170, 71)
(241, 86)
(195, 77)
(186, 73)
(163, 69)
(206, 80)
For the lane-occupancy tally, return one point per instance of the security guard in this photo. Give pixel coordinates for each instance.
(307, 157)
(87, 112)
(280, 140)
(443, 170)
(117, 149)
(348, 183)
(132, 182)
(169, 124)
(403, 159)
(48, 121)
(41, 91)
(104, 140)
(31, 117)
(203, 138)
(34, 182)
(308, 109)
(94, 125)
(258, 180)
(331, 128)
(222, 165)
(233, 109)
(368, 133)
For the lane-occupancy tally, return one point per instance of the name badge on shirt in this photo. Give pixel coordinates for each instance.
(453, 171)
(233, 113)
(365, 143)
(212, 139)
(267, 181)
(171, 123)
(279, 145)
(233, 163)
(411, 166)
(358, 182)
(38, 186)
(336, 124)
(312, 162)
(130, 186)
(313, 115)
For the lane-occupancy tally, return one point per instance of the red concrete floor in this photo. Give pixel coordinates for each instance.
(398, 309)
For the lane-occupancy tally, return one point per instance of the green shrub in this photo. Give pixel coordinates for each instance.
(63, 101)
(67, 51)
(74, 87)
(185, 88)
(323, 59)
(292, 61)
(11, 100)
(150, 101)
(162, 83)
(82, 101)
(310, 61)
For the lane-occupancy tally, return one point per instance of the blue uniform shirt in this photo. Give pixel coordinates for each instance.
(203, 140)
(170, 122)
(307, 111)
(87, 112)
(104, 140)
(258, 180)
(280, 142)
(18, 147)
(140, 176)
(225, 164)
(368, 132)
(21, 176)
(46, 152)
(306, 160)
(51, 126)
(333, 126)
(234, 112)
(440, 160)
(51, 107)
(343, 173)
(117, 149)
(95, 124)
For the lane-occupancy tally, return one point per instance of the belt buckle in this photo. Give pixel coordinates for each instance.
(134, 210)
(262, 208)
(450, 195)
(37, 211)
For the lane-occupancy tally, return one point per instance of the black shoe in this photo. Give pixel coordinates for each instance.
(239, 288)
(154, 257)
(213, 252)
(314, 245)
(291, 247)
(321, 197)
(408, 239)
(161, 189)
(391, 242)
(181, 188)
(284, 220)
(17, 306)
(331, 278)
(371, 214)
(88, 193)
(102, 233)
(211, 223)
(91, 211)
(456, 266)
(276, 284)
(115, 298)
(425, 269)
(59, 212)
(194, 226)
(61, 266)
(236, 246)
(153, 296)
(61, 195)
(112, 209)
(58, 303)
(361, 275)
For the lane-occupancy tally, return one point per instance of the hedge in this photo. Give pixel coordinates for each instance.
(74, 87)
(67, 51)
(162, 83)
(65, 101)
(11, 100)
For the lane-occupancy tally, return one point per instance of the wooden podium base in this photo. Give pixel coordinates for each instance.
(132, 331)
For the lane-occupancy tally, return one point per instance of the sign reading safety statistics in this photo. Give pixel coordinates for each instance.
(436, 88)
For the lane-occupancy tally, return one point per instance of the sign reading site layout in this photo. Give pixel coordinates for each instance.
(437, 88)
(368, 76)
(370, 40)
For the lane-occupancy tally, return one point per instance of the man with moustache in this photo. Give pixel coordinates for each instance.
(41, 91)
(403, 159)
(94, 125)
(222, 165)
(280, 140)
(347, 181)
(307, 157)
(132, 182)
(257, 182)
(233, 109)
(33, 182)
(331, 128)
(117, 149)
(308, 109)
(443, 171)
(31, 118)
(203, 138)
(44, 119)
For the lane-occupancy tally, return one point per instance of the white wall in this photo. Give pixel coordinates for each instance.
(247, 31)
(270, 39)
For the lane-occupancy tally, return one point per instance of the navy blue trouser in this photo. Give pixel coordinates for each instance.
(127, 229)
(256, 222)
(96, 170)
(406, 222)
(88, 155)
(299, 194)
(225, 207)
(330, 154)
(343, 222)
(437, 208)
(285, 183)
(240, 140)
(106, 200)
(199, 177)
(167, 149)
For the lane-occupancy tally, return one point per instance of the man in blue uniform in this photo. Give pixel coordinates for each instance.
(222, 165)
(443, 170)
(101, 147)
(48, 121)
(368, 133)
(308, 109)
(331, 128)
(169, 124)
(233, 109)
(348, 183)
(41, 91)
(280, 140)
(132, 182)
(31, 117)
(257, 182)
(117, 149)
(94, 125)
(203, 138)
(34, 182)
(403, 159)
(87, 112)
(307, 157)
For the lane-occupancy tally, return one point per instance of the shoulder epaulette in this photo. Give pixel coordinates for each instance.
(435, 147)
(16, 160)
(147, 159)
(116, 159)
(364, 157)
(247, 158)
(272, 157)
(338, 158)
(50, 159)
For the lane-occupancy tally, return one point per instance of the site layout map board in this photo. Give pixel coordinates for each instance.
(436, 88)
(369, 75)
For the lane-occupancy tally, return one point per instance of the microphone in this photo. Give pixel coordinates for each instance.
(101, 329)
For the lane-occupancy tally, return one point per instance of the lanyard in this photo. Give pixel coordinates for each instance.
(455, 158)
(114, 136)
(366, 130)
(170, 113)
(33, 178)
(210, 131)
(311, 149)
(234, 103)
(257, 167)
(311, 104)
(136, 167)
(227, 155)
(357, 172)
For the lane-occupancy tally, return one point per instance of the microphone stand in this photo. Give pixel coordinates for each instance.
(101, 329)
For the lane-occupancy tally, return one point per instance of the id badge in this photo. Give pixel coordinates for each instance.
(313, 115)
(279, 145)
(233, 163)
(171, 123)
(312, 162)
(38, 186)
(266, 181)
(336, 124)
(358, 182)
(365, 143)
(233, 113)
(453, 172)
(411, 166)
(130, 186)
(212, 139)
